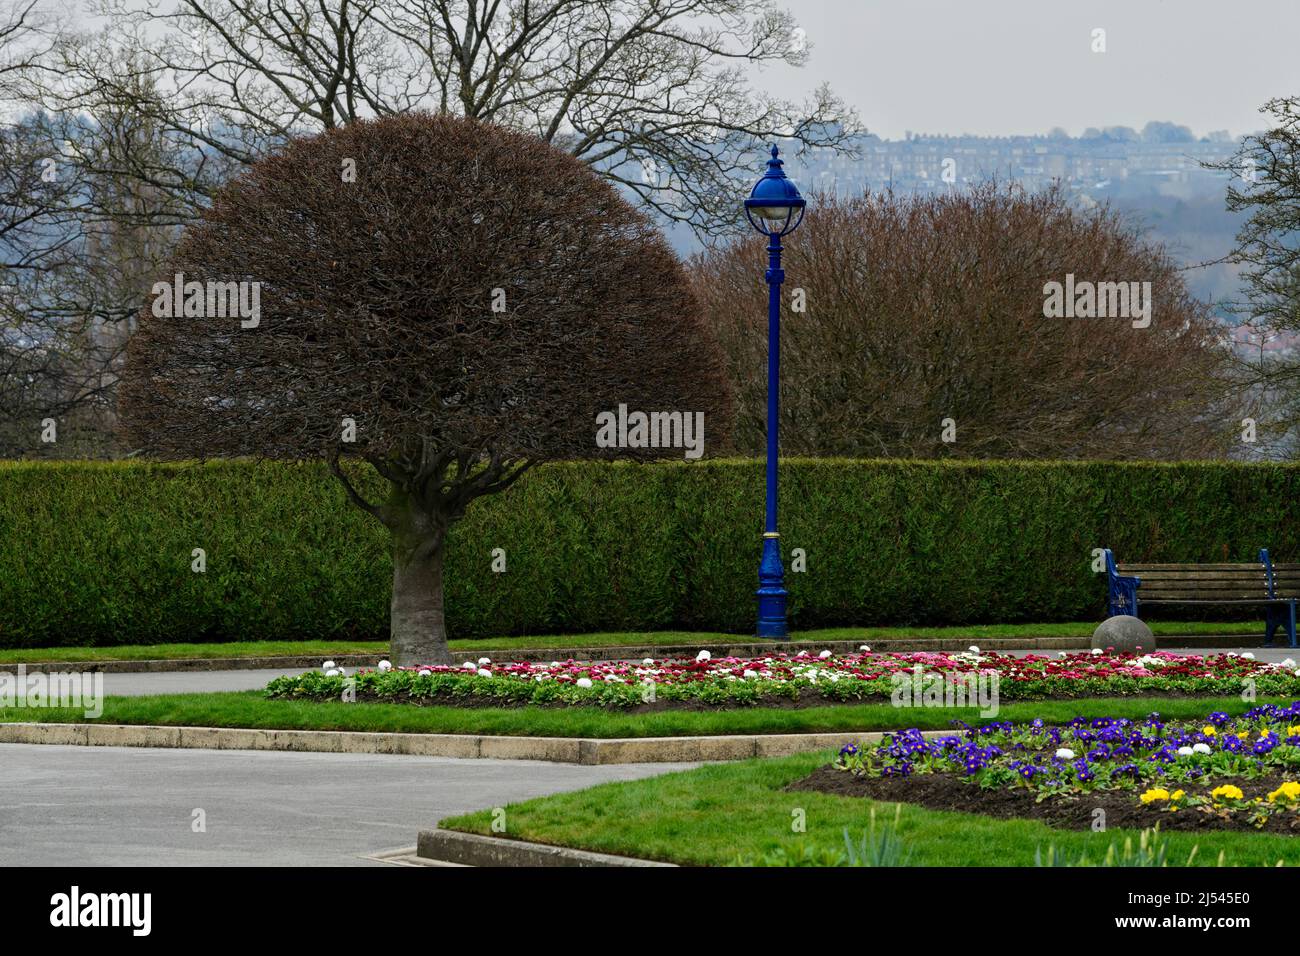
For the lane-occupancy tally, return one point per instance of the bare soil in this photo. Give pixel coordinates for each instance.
(944, 791)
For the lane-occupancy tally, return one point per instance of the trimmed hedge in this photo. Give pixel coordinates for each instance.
(100, 553)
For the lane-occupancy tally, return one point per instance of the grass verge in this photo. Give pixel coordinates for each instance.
(378, 649)
(713, 815)
(251, 709)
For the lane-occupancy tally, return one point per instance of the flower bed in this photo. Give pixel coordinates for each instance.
(803, 680)
(1221, 772)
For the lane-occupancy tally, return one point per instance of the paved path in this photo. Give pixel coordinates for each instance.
(1273, 654)
(190, 682)
(87, 806)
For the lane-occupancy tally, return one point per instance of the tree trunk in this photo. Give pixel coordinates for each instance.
(417, 631)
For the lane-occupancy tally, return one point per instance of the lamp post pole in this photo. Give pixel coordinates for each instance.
(771, 572)
(774, 208)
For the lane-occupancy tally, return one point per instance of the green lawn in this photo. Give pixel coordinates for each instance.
(324, 649)
(715, 814)
(251, 709)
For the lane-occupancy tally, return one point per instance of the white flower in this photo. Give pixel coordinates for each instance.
(425, 672)
(648, 661)
(1185, 751)
(1096, 652)
(328, 665)
(385, 666)
(1200, 748)
(1065, 753)
(469, 666)
(824, 654)
(584, 682)
(703, 656)
(973, 649)
(555, 663)
(864, 647)
(750, 675)
(833, 677)
(1288, 663)
(1248, 656)
(1297, 673)
(331, 673)
(484, 672)
(342, 671)
(484, 661)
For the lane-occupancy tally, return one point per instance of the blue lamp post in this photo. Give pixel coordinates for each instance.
(774, 208)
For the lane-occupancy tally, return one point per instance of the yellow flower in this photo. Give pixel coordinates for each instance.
(1208, 730)
(1244, 735)
(1293, 731)
(1154, 794)
(1226, 792)
(1177, 795)
(1289, 792)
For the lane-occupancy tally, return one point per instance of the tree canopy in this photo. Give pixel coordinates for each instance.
(448, 300)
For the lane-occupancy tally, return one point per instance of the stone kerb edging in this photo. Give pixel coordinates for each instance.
(472, 849)
(579, 750)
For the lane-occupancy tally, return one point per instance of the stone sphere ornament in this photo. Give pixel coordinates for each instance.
(1124, 634)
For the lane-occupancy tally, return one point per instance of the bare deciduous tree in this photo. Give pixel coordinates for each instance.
(928, 310)
(76, 245)
(469, 303)
(1264, 183)
(655, 94)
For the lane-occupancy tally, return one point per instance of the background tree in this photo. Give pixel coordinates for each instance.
(932, 308)
(1264, 185)
(77, 244)
(471, 302)
(156, 106)
(48, 366)
(655, 94)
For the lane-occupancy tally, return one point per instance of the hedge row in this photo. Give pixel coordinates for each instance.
(95, 553)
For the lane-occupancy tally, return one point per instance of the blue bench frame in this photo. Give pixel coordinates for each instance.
(1124, 599)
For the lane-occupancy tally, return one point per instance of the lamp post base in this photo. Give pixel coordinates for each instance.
(771, 591)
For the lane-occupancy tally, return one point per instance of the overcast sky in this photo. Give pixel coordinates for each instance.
(993, 67)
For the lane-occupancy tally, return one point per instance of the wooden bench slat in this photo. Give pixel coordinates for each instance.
(1148, 572)
(1208, 592)
(1204, 596)
(1192, 567)
(1255, 580)
(1235, 569)
(1151, 582)
(1215, 601)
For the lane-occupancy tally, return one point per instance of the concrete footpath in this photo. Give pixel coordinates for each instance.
(80, 806)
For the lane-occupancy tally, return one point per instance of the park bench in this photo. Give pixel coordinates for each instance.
(1275, 587)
